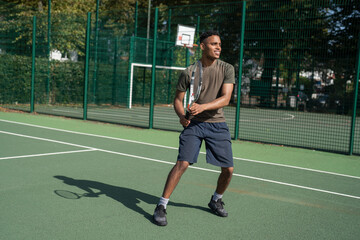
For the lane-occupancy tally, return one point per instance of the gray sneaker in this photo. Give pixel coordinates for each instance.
(218, 207)
(160, 215)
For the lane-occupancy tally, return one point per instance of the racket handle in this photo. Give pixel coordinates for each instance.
(188, 116)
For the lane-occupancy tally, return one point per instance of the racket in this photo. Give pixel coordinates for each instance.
(71, 195)
(194, 96)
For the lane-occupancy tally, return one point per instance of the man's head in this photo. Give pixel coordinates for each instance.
(210, 44)
(207, 34)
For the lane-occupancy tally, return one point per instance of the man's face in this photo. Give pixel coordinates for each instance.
(211, 47)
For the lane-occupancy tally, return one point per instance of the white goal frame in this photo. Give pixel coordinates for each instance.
(147, 66)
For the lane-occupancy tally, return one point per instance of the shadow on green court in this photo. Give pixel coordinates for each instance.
(128, 197)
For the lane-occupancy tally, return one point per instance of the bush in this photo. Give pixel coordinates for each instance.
(66, 80)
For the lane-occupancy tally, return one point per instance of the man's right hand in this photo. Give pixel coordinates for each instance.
(185, 122)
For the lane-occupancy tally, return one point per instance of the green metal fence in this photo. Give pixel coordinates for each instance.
(297, 67)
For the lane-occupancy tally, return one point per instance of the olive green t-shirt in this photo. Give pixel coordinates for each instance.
(213, 78)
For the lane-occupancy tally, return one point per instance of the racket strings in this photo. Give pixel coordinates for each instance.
(193, 97)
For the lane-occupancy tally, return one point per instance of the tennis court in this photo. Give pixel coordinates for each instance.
(114, 176)
(283, 127)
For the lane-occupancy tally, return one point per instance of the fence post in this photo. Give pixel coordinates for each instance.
(197, 36)
(33, 65)
(86, 74)
(130, 72)
(169, 24)
(356, 79)
(153, 72)
(187, 57)
(114, 83)
(170, 56)
(237, 118)
(49, 49)
(96, 52)
(136, 18)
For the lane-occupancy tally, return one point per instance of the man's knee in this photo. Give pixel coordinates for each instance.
(228, 171)
(181, 166)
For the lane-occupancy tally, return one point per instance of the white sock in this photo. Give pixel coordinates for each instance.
(216, 196)
(163, 201)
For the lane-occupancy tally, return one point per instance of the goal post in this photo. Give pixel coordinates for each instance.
(133, 65)
(185, 37)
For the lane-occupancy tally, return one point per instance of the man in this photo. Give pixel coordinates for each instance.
(206, 122)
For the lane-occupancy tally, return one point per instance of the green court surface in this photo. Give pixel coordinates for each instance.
(117, 174)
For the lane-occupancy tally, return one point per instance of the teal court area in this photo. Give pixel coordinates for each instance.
(69, 179)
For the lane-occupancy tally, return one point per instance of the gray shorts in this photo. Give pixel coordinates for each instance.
(217, 142)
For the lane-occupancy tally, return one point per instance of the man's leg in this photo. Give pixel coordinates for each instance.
(174, 177)
(216, 204)
(189, 147)
(171, 182)
(224, 179)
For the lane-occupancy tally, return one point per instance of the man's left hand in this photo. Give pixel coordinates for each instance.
(196, 109)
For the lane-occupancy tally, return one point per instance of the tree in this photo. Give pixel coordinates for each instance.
(68, 20)
(343, 32)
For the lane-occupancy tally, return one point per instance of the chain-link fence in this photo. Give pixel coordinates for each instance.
(297, 60)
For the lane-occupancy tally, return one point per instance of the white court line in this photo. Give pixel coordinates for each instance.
(203, 169)
(238, 175)
(291, 117)
(175, 148)
(286, 184)
(114, 115)
(145, 116)
(47, 140)
(47, 154)
(294, 167)
(89, 134)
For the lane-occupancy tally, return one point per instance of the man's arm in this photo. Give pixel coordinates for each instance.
(179, 109)
(222, 101)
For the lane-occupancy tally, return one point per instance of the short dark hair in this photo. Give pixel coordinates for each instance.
(207, 34)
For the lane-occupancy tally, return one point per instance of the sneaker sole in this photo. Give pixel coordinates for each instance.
(216, 213)
(162, 224)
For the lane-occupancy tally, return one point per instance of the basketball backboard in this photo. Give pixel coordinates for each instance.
(185, 36)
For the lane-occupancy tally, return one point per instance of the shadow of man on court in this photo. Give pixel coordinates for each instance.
(128, 197)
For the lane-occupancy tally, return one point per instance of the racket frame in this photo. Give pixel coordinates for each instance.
(192, 96)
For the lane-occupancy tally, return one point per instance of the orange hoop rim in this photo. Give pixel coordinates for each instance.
(194, 45)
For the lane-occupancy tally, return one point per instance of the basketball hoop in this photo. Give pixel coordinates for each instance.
(192, 49)
(185, 36)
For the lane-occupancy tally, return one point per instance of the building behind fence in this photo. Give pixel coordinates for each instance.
(297, 68)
